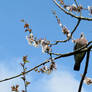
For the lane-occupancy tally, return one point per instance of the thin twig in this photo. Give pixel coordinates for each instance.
(75, 27)
(62, 41)
(71, 14)
(80, 50)
(72, 53)
(24, 77)
(49, 60)
(85, 70)
(26, 71)
(76, 3)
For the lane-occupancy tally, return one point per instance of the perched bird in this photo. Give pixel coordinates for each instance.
(79, 57)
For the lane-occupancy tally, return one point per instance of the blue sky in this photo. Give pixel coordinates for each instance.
(13, 44)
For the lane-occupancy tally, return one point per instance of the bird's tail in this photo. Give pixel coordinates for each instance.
(77, 67)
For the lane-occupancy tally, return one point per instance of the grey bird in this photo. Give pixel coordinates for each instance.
(79, 57)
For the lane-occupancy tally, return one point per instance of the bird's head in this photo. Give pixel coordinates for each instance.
(82, 35)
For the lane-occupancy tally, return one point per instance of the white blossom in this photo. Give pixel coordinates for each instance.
(90, 9)
(45, 47)
(73, 5)
(65, 30)
(87, 80)
(60, 25)
(68, 8)
(30, 39)
(36, 43)
(31, 35)
(45, 68)
(68, 35)
(43, 43)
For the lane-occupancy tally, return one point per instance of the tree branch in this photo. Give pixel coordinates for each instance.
(75, 27)
(71, 14)
(49, 60)
(78, 22)
(76, 3)
(85, 70)
(72, 53)
(26, 71)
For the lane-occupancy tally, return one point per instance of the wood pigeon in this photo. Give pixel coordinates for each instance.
(79, 57)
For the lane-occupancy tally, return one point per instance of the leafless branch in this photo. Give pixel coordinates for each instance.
(49, 60)
(75, 27)
(76, 3)
(26, 71)
(70, 35)
(72, 53)
(85, 70)
(71, 14)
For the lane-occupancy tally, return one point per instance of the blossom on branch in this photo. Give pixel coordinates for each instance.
(66, 31)
(90, 9)
(36, 43)
(44, 69)
(28, 29)
(61, 2)
(87, 80)
(15, 88)
(73, 7)
(52, 66)
(26, 25)
(45, 47)
(41, 42)
(49, 69)
(30, 38)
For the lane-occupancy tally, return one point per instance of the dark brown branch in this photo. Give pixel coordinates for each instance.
(72, 53)
(26, 72)
(80, 50)
(71, 14)
(49, 60)
(76, 3)
(75, 27)
(85, 70)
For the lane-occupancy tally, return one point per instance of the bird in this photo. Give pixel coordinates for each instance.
(80, 42)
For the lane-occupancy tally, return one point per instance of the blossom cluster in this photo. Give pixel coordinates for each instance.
(66, 31)
(64, 28)
(46, 69)
(39, 42)
(33, 41)
(90, 9)
(15, 88)
(61, 2)
(73, 7)
(87, 80)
